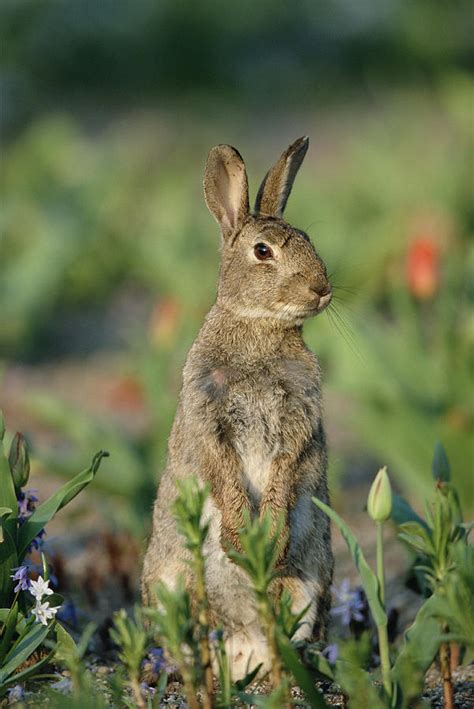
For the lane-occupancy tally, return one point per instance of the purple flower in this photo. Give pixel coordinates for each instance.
(21, 575)
(351, 605)
(331, 653)
(155, 663)
(216, 635)
(37, 542)
(16, 694)
(26, 504)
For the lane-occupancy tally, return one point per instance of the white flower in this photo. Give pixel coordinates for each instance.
(43, 612)
(40, 588)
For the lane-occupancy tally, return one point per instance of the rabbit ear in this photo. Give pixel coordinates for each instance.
(226, 188)
(277, 183)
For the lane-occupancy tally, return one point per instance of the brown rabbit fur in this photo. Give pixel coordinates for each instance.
(249, 419)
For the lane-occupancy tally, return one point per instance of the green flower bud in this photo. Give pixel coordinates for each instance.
(19, 461)
(379, 502)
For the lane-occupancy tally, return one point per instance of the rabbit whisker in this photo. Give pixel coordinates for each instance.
(344, 329)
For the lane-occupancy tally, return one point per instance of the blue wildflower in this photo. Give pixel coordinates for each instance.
(216, 635)
(21, 575)
(351, 605)
(26, 504)
(331, 653)
(155, 663)
(37, 542)
(16, 694)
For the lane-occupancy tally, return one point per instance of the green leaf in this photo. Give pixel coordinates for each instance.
(420, 645)
(42, 515)
(28, 672)
(451, 603)
(367, 576)
(320, 663)
(65, 644)
(20, 621)
(441, 468)
(358, 685)
(417, 536)
(8, 631)
(302, 676)
(248, 679)
(8, 561)
(4, 512)
(19, 654)
(7, 493)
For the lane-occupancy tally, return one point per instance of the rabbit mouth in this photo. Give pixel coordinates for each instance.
(319, 305)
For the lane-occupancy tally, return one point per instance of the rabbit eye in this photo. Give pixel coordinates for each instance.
(262, 252)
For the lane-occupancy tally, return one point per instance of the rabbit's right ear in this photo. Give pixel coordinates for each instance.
(226, 188)
(276, 186)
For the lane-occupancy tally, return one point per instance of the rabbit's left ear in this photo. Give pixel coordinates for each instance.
(277, 183)
(226, 188)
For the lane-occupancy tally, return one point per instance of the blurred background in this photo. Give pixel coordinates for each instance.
(109, 257)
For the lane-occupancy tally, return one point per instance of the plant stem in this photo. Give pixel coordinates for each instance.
(445, 664)
(203, 617)
(380, 563)
(384, 658)
(188, 685)
(268, 622)
(382, 629)
(136, 689)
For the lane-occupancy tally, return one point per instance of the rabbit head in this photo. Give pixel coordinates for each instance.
(269, 268)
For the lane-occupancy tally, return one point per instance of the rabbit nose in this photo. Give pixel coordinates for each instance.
(322, 289)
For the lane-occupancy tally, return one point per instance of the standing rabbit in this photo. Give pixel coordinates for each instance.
(249, 419)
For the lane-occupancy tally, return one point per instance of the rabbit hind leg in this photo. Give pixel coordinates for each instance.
(245, 650)
(308, 593)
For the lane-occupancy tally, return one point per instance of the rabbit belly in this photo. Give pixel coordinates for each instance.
(256, 467)
(255, 418)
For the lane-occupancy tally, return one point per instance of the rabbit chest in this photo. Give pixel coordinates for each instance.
(263, 413)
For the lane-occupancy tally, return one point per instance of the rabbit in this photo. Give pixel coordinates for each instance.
(249, 419)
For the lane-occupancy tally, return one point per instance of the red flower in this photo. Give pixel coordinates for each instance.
(422, 268)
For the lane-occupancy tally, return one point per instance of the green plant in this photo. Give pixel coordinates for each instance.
(183, 626)
(445, 562)
(261, 541)
(260, 553)
(71, 656)
(131, 637)
(188, 510)
(27, 607)
(176, 627)
(448, 566)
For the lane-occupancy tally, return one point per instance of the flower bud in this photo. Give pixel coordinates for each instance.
(379, 502)
(422, 268)
(19, 461)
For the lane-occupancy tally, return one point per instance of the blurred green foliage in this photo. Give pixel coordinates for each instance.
(116, 50)
(109, 117)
